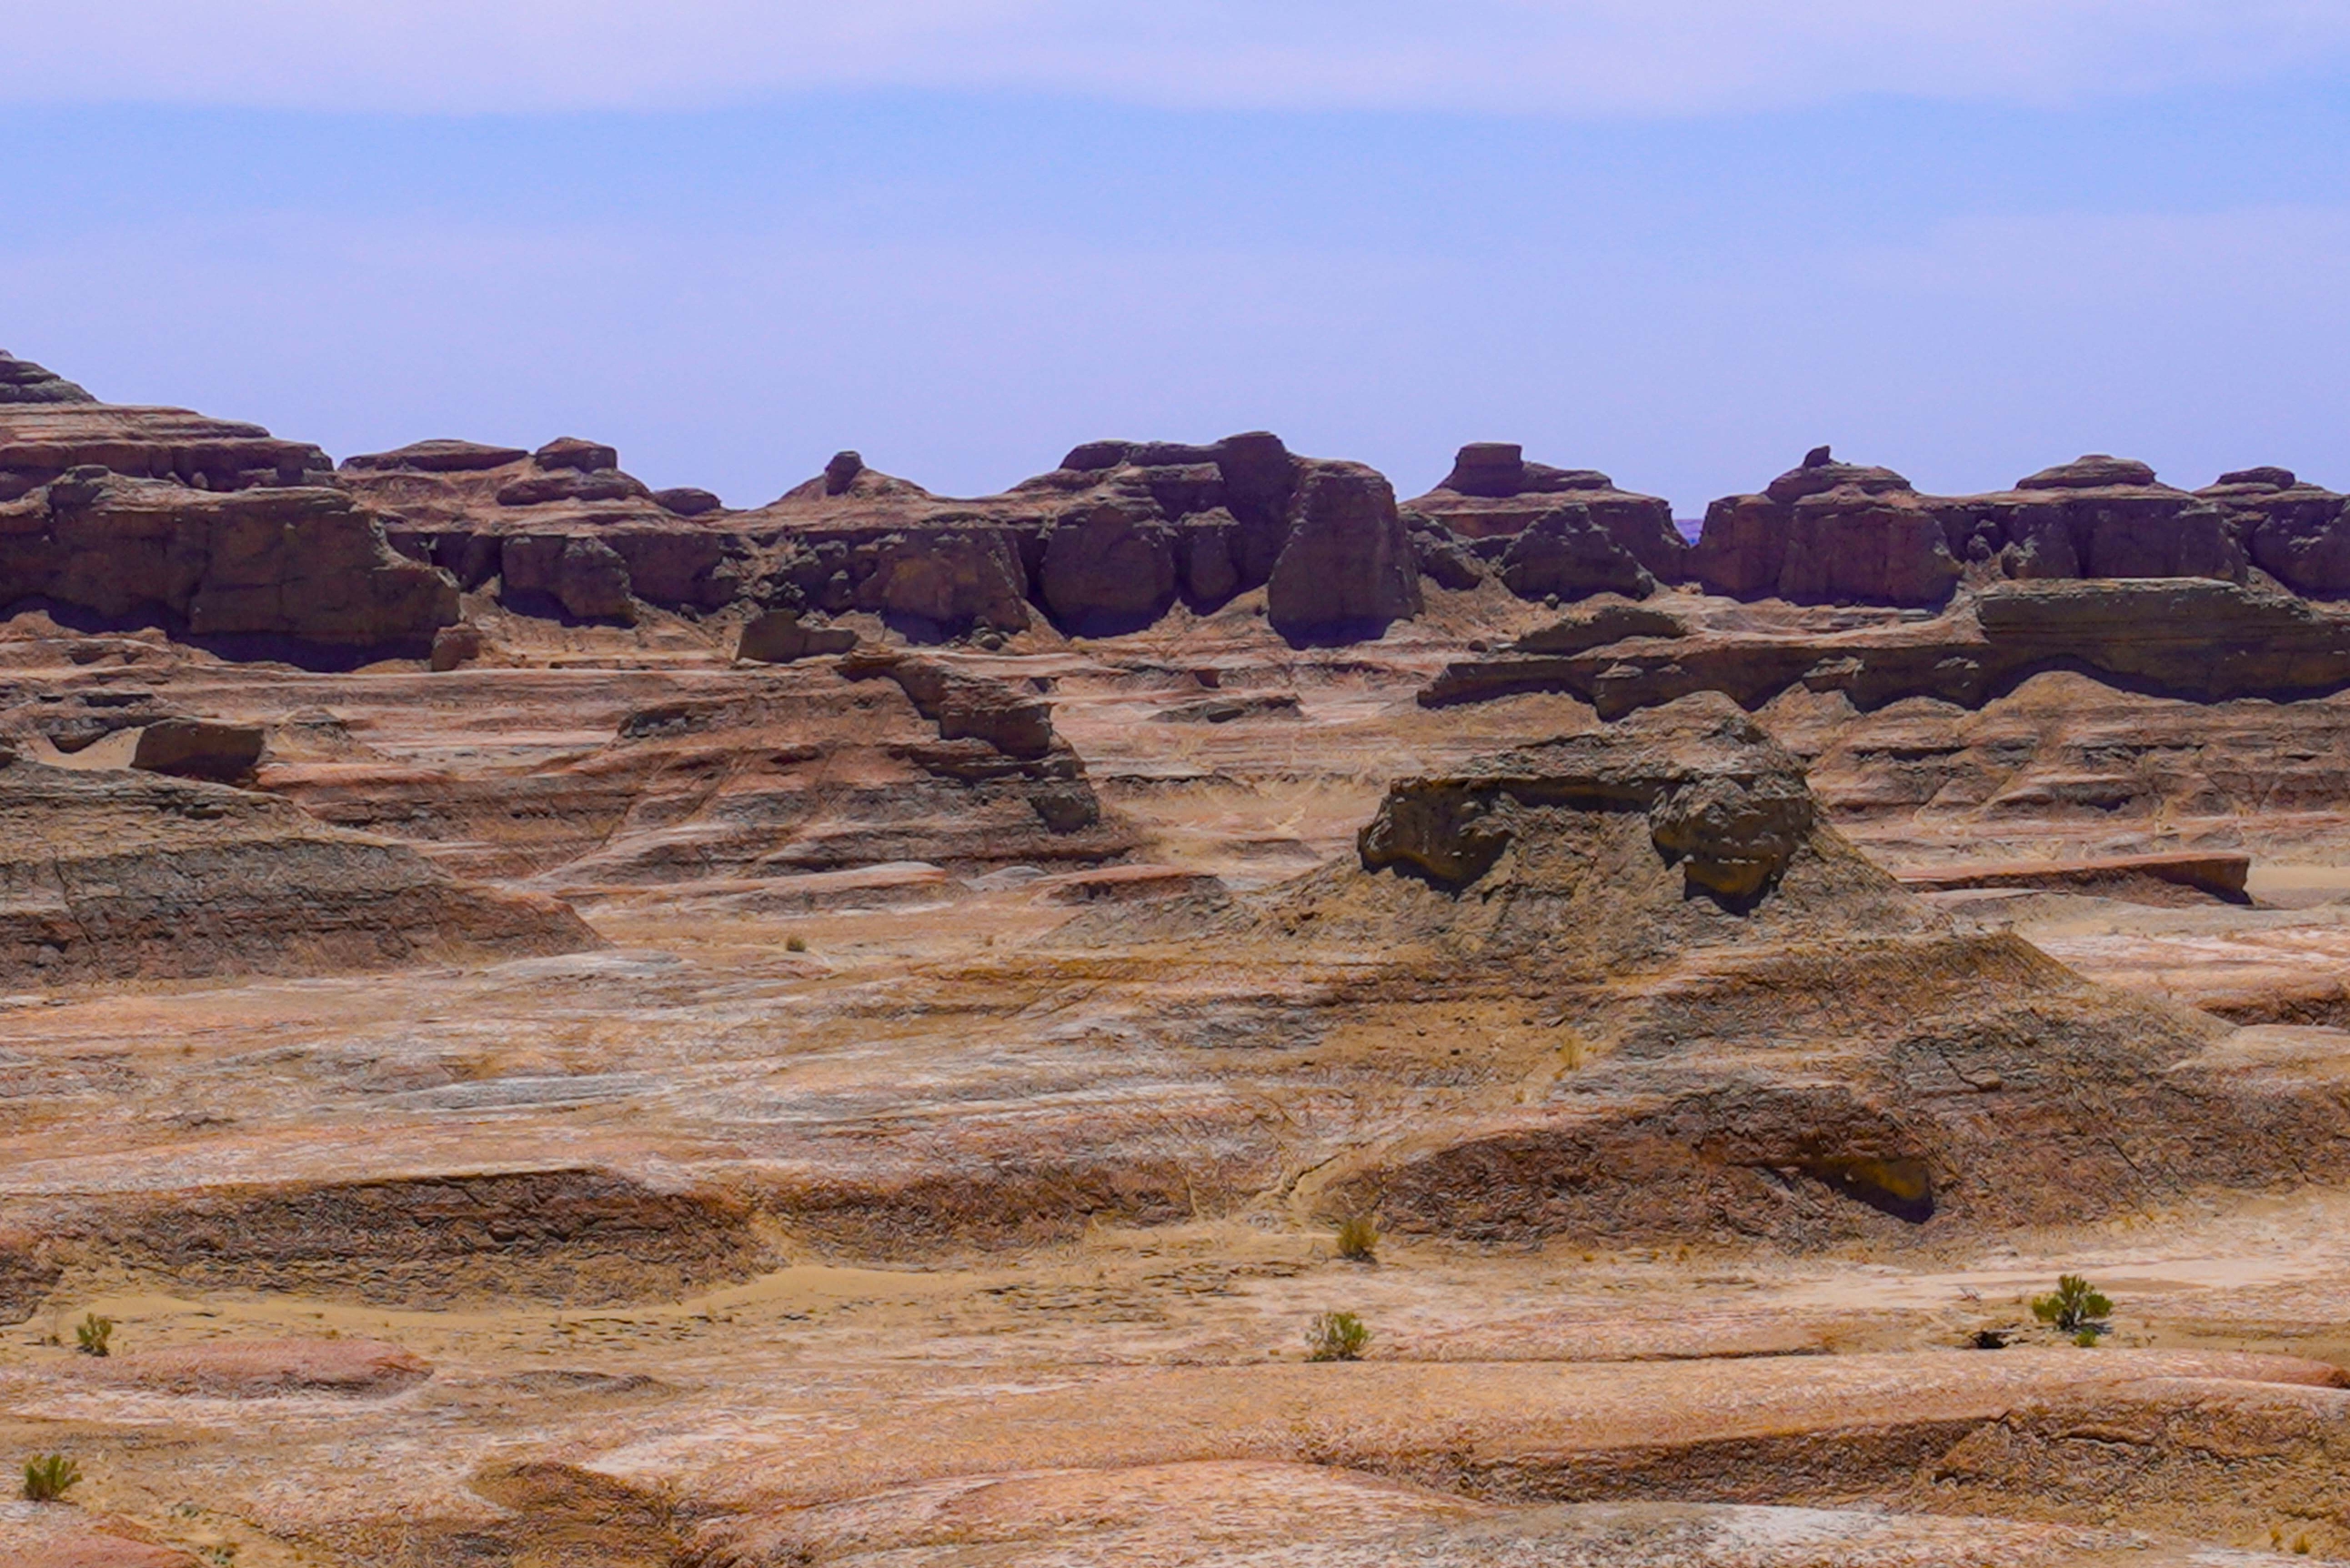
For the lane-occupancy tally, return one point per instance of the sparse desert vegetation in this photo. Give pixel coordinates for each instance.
(1715, 1010)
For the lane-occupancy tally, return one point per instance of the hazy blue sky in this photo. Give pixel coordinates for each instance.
(1679, 240)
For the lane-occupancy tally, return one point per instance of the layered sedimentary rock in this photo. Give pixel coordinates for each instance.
(744, 781)
(1730, 1018)
(215, 530)
(1830, 531)
(130, 876)
(1543, 532)
(2183, 636)
(1107, 542)
(561, 531)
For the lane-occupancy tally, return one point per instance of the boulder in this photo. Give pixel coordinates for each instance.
(200, 749)
(1346, 572)
(572, 483)
(686, 501)
(570, 451)
(779, 636)
(456, 645)
(583, 576)
(2094, 472)
(2266, 477)
(962, 706)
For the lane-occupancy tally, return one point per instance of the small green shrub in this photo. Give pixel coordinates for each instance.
(2073, 1306)
(1337, 1337)
(94, 1335)
(1358, 1239)
(46, 1478)
(2088, 1338)
(796, 944)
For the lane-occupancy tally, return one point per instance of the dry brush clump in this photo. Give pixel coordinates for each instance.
(1337, 1336)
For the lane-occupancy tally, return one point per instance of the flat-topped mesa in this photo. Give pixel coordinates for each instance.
(1542, 531)
(562, 532)
(1109, 542)
(1828, 532)
(22, 381)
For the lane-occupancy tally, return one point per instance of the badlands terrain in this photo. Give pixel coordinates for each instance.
(566, 1023)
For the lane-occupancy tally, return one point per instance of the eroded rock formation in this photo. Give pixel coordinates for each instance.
(129, 876)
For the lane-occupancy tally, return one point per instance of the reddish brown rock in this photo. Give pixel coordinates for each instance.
(302, 572)
(2183, 636)
(200, 749)
(1826, 533)
(778, 637)
(2217, 875)
(1493, 498)
(44, 437)
(1345, 572)
(438, 456)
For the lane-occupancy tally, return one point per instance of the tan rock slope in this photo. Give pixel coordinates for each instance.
(128, 876)
(1731, 1021)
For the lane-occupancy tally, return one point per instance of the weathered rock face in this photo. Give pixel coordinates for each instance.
(2183, 636)
(42, 436)
(1727, 1011)
(1106, 542)
(1567, 533)
(779, 636)
(562, 532)
(1722, 802)
(1346, 571)
(22, 381)
(747, 781)
(107, 876)
(1828, 532)
(200, 749)
(300, 571)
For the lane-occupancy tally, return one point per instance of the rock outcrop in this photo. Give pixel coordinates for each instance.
(1745, 1020)
(2183, 636)
(22, 381)
(1548, 532)
(117, 876)
(1828, 532)
(299, 572)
